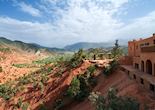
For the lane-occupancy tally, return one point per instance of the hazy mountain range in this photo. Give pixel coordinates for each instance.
(4, 42)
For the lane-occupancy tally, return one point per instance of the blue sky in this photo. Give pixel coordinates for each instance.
(56, 23)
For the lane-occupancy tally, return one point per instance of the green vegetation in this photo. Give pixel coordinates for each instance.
(110, 68)
(116, 51)
(79, 88)
(25, 106)
(5, 50)
(74, 88)
(81, 85)
(58, 104)
(19, 103)
(53, 59)
(112, 101)
(44, 61)
(26, 79)
(77, 59)
(42, 107)
(6, 91)
(21, 65)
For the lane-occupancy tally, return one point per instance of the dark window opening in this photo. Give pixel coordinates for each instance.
(146, 43)
(154, 41)
(152, 87)
(136, 66)
(149, 67)
(142, 66)
(128, 72)
(154, 68)
(141, 81)
(134, 76)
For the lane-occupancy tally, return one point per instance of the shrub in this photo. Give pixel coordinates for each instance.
(110, 68)
(42, 107)
(19, 103)
(6, 91)
(84, 88)
(20, 65)
(81, 86)
(77, 59)
(5, 50)
(74, 88)
(25, 106)
(44, 78)
(24, 80)
(58, 104)
(58, 74)
(91, 69)
(113, 102)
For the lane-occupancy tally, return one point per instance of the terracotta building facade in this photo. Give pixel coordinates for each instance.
(142, 52)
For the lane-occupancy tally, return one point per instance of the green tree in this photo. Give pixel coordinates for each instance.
(77, 58)
(116, 51)
(74, 88)
(112, 101)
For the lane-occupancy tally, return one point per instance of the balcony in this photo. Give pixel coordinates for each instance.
(148, 49)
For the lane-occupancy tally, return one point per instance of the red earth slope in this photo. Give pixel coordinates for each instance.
(125, 86)
(52, 90)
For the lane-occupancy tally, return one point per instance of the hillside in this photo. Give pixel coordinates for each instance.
(125, 87)
(29, 47)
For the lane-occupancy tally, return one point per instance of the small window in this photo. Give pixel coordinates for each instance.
(128, 72)
(146, 43)
(152, 87)
(136, 65)
(141, 81)
(134, 76)
(154, 41)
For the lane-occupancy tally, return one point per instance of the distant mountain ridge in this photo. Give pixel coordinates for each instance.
(4, 42)
(87, 45)
(29, 47)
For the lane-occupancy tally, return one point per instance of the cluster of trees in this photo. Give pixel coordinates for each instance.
(100, 53)
(79, 89)
(110, 68)
(77, 59)
(113, 102)
(82, 85)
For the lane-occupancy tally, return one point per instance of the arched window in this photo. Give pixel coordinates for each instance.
(149, 66)
(142, 66)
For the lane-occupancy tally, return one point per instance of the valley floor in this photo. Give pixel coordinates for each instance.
(10, 72)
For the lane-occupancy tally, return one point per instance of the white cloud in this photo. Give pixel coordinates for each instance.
(139, 28)
(83, 20)
(29, 9)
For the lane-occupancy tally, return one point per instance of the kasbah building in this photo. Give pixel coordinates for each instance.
(140, 62)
